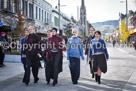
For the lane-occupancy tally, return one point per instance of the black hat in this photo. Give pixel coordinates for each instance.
(55, 29)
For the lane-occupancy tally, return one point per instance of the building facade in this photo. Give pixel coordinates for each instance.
(42, 15)
(131, 27)
(64, 20)
(37, 13)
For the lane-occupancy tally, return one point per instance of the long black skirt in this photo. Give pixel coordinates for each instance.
(99, 61)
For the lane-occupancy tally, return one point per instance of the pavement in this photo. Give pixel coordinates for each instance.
(121, 76)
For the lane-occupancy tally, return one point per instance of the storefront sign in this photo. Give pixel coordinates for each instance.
(135, 30)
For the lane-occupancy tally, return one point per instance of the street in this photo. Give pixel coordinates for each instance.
(121, 76)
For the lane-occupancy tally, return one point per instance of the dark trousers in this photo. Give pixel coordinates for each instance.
(24, 63)
(74, 69)
(56, 59)
(2, 55)
(52, 67)
(49, 70)
(24, 66)
(31, 62)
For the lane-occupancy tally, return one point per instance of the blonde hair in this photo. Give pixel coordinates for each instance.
(32, 28)
(74, 29)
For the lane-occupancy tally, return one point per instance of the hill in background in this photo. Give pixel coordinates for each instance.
(106, 27)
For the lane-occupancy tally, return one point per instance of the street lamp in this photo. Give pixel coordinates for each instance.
(59, 17)
(60, 31)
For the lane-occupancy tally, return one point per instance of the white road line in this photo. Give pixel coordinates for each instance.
(126, 53)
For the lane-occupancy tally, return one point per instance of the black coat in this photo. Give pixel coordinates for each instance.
(87, 43)
(33, 48)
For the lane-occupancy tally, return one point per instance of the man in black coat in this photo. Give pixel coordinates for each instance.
(90, 37)
(3, 44)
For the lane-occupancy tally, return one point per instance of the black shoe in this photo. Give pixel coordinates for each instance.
(27, 83)
(23, 81)
(48, 82)
(99, 79)
(92, 75)
(36, 80)
(75, 82)
(96, 77)
(54, 84)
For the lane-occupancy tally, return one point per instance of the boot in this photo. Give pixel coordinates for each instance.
(99, 79)
(36, 80)
(96, 77)
(92, 75)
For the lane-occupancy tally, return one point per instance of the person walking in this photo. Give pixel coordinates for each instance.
(3, 45)
(98, 55)
(32, 51)
(74, 52)
(55, 56)
(114, 43)
(23, 56)
(48, 63)
(90, 37)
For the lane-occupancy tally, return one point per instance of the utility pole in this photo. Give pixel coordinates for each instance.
(127, 14)
(60, 33)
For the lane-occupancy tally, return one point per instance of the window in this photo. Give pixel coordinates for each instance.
(9, 5)
(56, 20)
(39, 14)
(30, 11)
(50, 18)
(36, 13)
(16, 7)
(42, 15)
(2, 4)
(45, 16)
(25, 11)
(23, 5)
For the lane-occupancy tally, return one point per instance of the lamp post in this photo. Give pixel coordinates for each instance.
(126, 12)
(60, 31)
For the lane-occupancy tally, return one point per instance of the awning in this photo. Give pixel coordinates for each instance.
(5, 28)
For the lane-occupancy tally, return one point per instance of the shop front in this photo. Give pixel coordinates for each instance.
(132, 36)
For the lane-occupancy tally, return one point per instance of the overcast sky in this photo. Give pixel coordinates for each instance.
(97, 10)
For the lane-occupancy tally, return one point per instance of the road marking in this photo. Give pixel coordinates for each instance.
(130, 55)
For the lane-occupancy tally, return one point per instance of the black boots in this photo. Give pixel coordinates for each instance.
(99, 79)
(96, 77)
(36, 80)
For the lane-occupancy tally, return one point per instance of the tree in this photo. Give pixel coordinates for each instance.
(123, 32)
(20, 19)
(68, 29)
